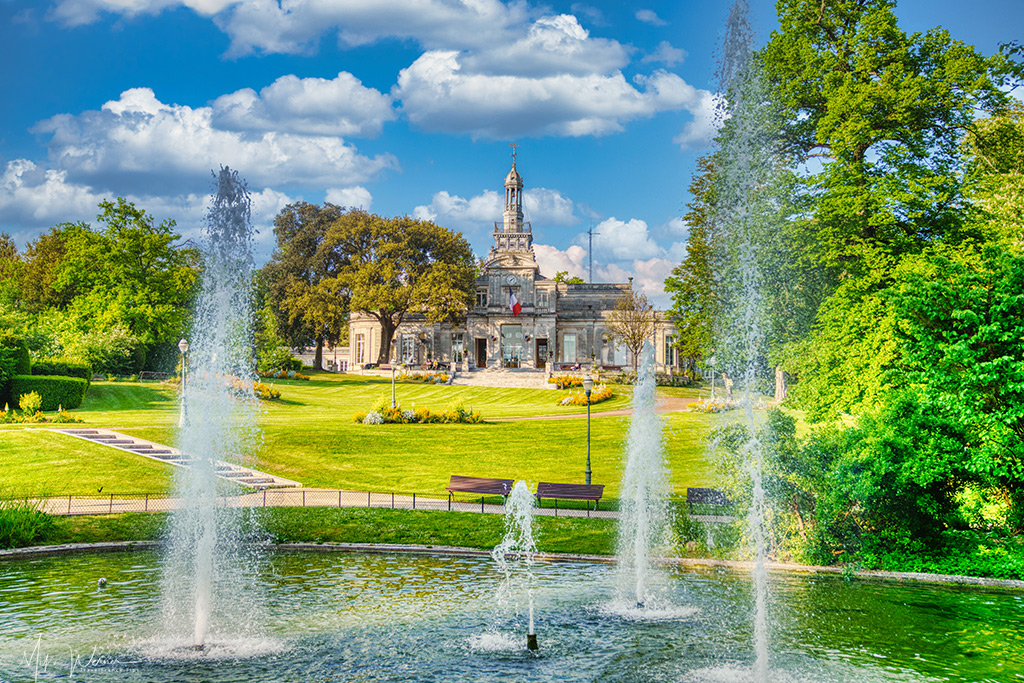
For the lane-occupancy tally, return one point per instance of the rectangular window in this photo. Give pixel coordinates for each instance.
(481, 298)
(458, 347)
(670, 351)
(568, 348)
(408, 348)
(542, 300)
(360, 349)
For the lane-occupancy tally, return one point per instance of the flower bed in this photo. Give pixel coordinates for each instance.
(709, 406)
(427, 377)
(566, 382)
(457, 414)
(283, 374)
(601, 392)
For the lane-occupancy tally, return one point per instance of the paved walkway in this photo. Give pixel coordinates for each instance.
(303, 497)
(173, 456)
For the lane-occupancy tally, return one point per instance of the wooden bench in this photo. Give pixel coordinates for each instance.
(710, 498)
(481, 485)
(587, 492)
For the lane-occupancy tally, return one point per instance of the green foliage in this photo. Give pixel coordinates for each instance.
(23, 524)
(55, 391)
(887, 110)
(63, 367)
(563, 276)
(393, 266)
(30, 403)
(962, 323)
(307, 302)
(109, 350)
(692, 286)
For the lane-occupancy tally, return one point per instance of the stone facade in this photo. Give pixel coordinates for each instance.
(559, 324)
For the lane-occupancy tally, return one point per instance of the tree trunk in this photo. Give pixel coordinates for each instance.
(387, 334)
(781, 390)
(318, 357)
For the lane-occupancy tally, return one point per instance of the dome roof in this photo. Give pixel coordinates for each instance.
(513, 177)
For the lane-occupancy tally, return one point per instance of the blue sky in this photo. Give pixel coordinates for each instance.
(398, 106)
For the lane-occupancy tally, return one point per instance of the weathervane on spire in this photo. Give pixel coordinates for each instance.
(513, 146)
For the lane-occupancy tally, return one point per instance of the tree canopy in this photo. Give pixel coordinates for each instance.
(390, 267)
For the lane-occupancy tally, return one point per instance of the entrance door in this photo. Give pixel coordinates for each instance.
(542, 353)
(481, 353)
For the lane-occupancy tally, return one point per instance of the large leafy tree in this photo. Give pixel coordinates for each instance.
(393, 266)
(130, 273)
(961, 317)
(301, 278)
(695, 304)
(884, 114)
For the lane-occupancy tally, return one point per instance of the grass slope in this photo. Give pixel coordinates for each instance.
(309, 436)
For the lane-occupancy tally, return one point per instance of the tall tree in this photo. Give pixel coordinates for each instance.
(694, 307)
(397, 265)
(886, 111)
(308, 303)
(130, 273)
(10, 270)
(632, 322)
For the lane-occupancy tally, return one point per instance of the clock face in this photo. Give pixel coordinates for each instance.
(511, 279)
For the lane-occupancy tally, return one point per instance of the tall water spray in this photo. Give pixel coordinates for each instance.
(516, 551)
(742, 218)
(643, 508)
(204, 572)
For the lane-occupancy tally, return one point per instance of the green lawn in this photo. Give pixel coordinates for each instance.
(37, 462)
(309, 436)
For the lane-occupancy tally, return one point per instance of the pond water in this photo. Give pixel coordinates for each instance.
(347, 617)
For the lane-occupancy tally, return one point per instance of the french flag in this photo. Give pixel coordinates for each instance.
(513, 303)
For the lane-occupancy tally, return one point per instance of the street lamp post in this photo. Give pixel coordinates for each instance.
(183, 347)
(393, 362)
(588, 385)
(711, 362)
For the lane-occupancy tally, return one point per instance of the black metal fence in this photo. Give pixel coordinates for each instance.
(108, 504)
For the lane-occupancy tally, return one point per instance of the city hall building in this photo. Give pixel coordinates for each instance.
(555, 325)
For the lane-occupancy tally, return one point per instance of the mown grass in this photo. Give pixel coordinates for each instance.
(309, 436)
(354, 525)
(38, 463)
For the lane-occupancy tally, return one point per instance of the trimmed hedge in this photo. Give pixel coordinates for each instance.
(63, 368)
(56, 391)
(14, 360)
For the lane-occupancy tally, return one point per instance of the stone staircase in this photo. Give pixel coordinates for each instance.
(501, 377)
(172, 456)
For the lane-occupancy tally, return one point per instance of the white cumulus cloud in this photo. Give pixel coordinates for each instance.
(437, 95)
(479, 213)
(666, 54)
(306, 106)
(356, 197)
(553, 260)
(699, 132)
(139, 144)
(624, 240)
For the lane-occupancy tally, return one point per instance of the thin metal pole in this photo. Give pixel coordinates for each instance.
(414, 501)
(69, 505)
(303, 497)
(339, 498)
(264, 498)
(367, 499)
(588, 437)
(111, 508)
(146, 509)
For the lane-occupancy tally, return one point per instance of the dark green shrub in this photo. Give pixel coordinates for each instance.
(22, 524)
(14, 360)
(63, 368)
(56, 391)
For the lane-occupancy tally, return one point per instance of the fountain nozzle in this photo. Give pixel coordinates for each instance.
(531, 641)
